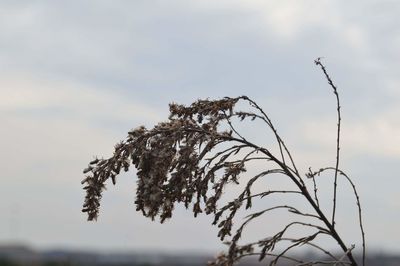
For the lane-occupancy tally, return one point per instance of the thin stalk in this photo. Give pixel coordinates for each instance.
(330, 82)
(307, 195)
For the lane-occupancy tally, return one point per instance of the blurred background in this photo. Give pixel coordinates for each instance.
(75, 76)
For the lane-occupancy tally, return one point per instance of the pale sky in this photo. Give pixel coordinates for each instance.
(77, 75)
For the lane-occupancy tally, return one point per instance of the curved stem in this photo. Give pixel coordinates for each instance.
(313, 174)
(307, 195)
(318, 63)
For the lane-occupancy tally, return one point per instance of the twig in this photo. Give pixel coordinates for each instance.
(330, 82)
(357, 202)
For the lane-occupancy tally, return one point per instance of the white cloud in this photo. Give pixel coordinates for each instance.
(286, 19)
(80, 101)
(61, 123)
(377, 135)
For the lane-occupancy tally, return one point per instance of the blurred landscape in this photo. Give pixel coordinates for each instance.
(21, 255)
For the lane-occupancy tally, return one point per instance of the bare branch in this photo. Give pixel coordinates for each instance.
(318, 63)
(313, 174)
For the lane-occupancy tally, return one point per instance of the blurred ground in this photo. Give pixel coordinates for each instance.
(19, 255)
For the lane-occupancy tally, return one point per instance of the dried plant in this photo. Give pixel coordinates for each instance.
(194, 155)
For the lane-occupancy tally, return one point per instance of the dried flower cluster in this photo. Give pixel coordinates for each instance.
(193, 156)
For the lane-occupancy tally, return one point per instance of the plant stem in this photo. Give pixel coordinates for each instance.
(307, 195)
(339, 119)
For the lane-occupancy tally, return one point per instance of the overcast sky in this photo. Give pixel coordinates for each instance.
(75, 76)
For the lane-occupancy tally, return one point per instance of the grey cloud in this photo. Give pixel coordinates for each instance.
(154, 52)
